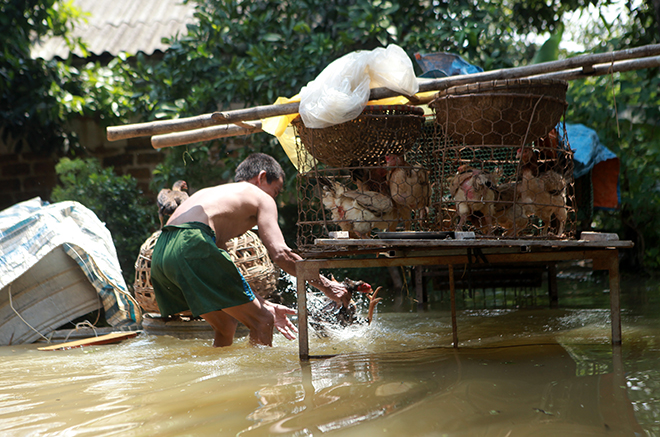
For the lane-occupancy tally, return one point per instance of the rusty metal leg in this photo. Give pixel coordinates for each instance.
(419, 287)
(615, 293)
(303, 273)
(452, 292)
(553, 293)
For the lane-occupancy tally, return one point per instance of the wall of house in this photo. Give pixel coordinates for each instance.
(27, 174)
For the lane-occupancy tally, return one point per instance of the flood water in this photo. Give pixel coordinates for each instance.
(518, 372)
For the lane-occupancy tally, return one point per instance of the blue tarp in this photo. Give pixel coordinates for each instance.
(443, 64)
(587, 148)
(589, 154)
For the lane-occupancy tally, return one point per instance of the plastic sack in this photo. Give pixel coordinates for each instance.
(341, 91)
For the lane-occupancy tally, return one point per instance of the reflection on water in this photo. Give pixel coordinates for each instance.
(518, 372)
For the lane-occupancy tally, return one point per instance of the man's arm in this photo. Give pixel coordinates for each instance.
(282, 255)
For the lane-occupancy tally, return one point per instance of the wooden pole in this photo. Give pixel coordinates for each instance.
(601, 70)
(584, 62)
(205, 134)
(115, 133)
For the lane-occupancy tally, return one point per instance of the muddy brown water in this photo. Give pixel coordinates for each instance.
(518, 372)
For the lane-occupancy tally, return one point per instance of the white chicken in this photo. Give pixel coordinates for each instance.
(358, 212)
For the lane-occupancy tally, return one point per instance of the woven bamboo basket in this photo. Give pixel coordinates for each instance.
(247, 251)
(500, 112)
(378, 131)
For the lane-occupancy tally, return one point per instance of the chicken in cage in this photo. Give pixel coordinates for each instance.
(503, 191)
(364, 200)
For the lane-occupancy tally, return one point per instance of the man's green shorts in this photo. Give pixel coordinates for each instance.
(188, 271)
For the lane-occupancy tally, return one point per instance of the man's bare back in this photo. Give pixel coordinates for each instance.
(232, 209)
(229, 209)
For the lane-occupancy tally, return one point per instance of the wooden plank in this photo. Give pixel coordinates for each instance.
(113, 337)
(394, 243)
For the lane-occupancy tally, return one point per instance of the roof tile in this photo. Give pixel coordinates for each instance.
(131, 26)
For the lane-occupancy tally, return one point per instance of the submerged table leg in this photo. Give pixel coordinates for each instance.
(419, 287)
(615, 292)
(452, 292)
(303, 344)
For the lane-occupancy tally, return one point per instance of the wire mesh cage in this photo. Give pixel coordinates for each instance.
(501, 191)
(508, 175)
(506, 169)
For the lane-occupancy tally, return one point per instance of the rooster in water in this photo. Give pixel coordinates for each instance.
(168, 200)
(332, 314)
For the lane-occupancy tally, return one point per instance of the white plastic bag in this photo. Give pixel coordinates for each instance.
(341, 91)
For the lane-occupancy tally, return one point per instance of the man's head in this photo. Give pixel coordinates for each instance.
(255, 164)
(263, 171)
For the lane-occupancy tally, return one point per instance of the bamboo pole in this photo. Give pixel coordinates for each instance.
(116, 133)
(601, 70)
(585, 62)
(205, 134)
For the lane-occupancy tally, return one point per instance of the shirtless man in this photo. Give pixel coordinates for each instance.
(191, 269)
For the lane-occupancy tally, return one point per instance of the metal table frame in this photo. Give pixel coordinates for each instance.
(340, 253)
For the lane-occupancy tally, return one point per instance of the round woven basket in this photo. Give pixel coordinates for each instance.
(378, 131)
(251, 257)
(144, 291)
(247, 251)
(501, 112)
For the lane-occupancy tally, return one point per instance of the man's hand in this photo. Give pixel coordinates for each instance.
(282, 322)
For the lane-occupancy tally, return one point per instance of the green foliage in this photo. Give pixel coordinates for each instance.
(624, 109)
(28, 108)
(253, 52)
(38, 98)
(116, 201)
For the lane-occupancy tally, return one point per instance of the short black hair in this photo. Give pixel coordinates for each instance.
(255, 164)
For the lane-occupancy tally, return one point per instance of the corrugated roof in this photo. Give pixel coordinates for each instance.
(131, 26)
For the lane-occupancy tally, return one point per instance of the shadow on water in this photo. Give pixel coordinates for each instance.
(518, 372)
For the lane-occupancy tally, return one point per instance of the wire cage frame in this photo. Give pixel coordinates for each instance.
(513, 180)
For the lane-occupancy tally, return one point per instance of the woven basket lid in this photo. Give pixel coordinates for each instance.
(503, 112)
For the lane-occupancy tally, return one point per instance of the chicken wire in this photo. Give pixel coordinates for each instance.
(522, 189)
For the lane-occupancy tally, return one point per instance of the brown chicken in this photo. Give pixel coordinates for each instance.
(508, 213)
(542, 192)
(410, 188)
(371, 179)
(358, 212)
(333, 314)
(474, 192)
(168, 200)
